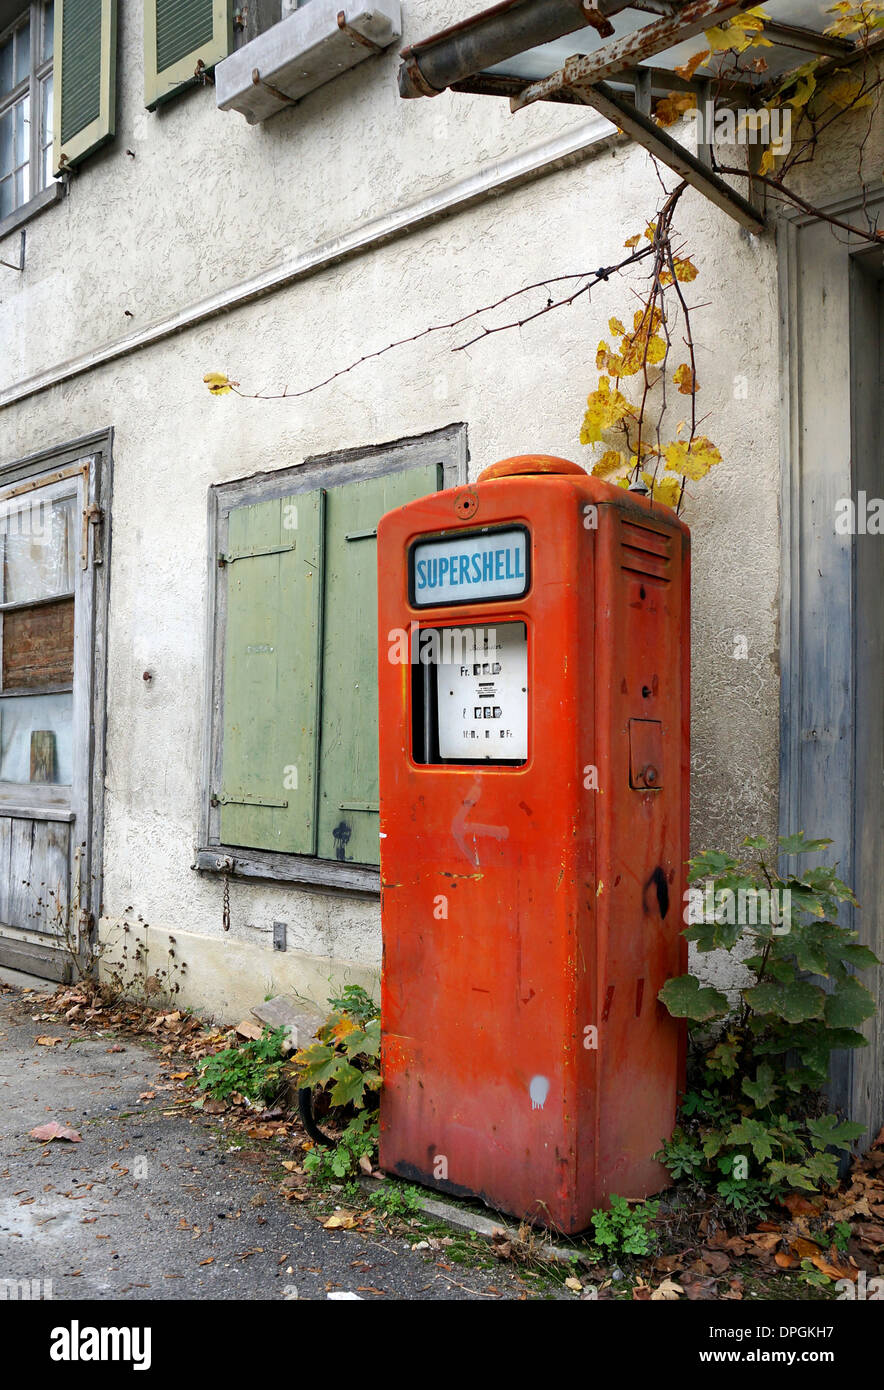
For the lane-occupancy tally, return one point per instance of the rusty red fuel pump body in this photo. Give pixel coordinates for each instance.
(534, 656)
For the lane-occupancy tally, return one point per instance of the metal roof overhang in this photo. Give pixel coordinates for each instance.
(615, 56)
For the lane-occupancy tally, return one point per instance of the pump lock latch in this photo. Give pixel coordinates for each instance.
(646, 754)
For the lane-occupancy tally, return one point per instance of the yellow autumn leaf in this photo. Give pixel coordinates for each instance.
(605, 409)
(692, 460)
(737, 34)
(666, 490)
(767, 162)
(633, 241)
(601, 355)
(684, 379)
(642, 317)
(860, 19)
(610, 461)
(846, 91)
(616, 328)
(804, 90)
(219, 383)
(668, 109)
(690, 67)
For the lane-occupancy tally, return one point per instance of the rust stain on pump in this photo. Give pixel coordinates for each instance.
(522, 1063)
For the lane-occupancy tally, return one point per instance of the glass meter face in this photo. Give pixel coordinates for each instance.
(482, 693)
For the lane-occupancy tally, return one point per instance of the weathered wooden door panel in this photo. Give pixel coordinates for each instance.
(832, 725)
(35, 874)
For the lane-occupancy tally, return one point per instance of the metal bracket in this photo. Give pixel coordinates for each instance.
(258, 81)
(92, 516)
(21, 256)
(355, 34)
(235, 555)
(623, 114)
(247, 801)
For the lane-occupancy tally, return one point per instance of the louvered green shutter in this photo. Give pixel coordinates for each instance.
(84, 81)
(348, 777)
(179, 35)
(273, 566)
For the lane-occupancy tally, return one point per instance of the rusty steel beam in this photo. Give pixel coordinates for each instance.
(658, 143)
(807, 40)
(662, 80)
(612, 58)
(492, 36)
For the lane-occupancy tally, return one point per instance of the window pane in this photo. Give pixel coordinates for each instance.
(7, 162)
(22, 52)
(35, 739)
(48, 30)
(6, 82)
(22, 186)
(7, 203)
(38, 547)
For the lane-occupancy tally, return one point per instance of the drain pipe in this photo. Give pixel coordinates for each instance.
(493, 36)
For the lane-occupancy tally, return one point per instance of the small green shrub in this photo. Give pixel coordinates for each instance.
(625, 1229)
(254, 1069)
(344, 1060)
(358, 1140)
(750, 1127)
(343, 1063)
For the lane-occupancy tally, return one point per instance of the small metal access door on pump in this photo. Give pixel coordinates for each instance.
(534, 662)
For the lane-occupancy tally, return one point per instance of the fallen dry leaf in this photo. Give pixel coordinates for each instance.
(45, 1041)
(44, 1133)
(833, 1267)
(785, 1260)
(667, 1291)
(342, 1220)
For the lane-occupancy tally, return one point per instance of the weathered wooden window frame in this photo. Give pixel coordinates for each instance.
(448, 447)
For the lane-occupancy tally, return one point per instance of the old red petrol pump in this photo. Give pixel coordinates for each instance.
(534, 638)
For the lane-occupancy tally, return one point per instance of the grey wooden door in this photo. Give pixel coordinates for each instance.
(832, 727)
(51, 650)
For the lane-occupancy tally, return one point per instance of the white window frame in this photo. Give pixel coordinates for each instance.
(32, 87)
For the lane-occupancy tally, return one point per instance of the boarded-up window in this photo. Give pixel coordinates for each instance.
(38, 646)
(299, 756)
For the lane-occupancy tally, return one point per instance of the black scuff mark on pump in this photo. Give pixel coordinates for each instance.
(658, 881)
(341, 833)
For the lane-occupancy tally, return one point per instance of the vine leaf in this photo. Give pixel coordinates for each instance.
(684, 998)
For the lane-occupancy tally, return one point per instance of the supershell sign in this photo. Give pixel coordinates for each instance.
(470, 569)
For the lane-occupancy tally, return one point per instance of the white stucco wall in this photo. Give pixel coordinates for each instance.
(205, 203)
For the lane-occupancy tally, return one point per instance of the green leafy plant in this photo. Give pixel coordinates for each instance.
(750, 1128)
(255, 1069)
(359, 1139)
(356, 1003)
(625, 1229)
(344, 1059)
(343, 1064)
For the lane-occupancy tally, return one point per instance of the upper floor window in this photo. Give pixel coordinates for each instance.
(26, 106)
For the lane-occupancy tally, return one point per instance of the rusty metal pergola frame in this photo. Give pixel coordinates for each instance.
(618, 79)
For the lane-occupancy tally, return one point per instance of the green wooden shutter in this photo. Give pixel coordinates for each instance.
(273, 565)
(84, 78)
(178, 36)
(348, 777)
